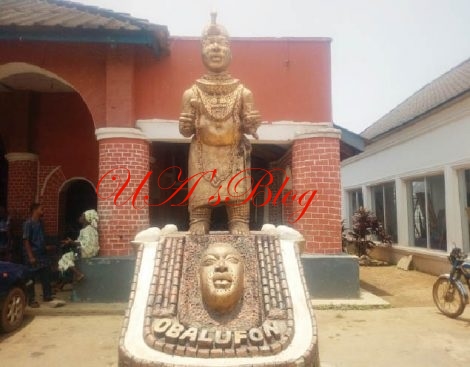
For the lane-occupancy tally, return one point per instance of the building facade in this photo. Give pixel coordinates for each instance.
(89, 99)
(415, 173)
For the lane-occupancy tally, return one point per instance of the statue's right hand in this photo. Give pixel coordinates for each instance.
(186, 121)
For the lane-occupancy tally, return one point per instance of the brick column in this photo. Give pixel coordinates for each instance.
(122, 152)
(22, 186)
(316, 166)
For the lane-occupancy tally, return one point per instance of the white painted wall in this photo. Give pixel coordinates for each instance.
(439, 143)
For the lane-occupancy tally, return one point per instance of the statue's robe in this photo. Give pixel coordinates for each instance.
(218, 143)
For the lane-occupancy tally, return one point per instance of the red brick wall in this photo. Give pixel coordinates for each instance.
(82, 65)
(120, 87)
(64, 135)
(120, 223)
(22, 183)
(50, 181)
(14, 120)
(316, 166)
(300, 68)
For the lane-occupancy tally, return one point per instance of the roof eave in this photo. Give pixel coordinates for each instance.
(417, 118)
(156, 39)
(352, 139)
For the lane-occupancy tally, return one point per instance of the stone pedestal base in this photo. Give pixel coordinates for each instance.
(331, 276)
(102, 275)
(169, 324)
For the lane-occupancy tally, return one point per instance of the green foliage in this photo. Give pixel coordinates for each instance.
(365, 226)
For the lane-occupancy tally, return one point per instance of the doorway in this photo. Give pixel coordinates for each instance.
(76, 196)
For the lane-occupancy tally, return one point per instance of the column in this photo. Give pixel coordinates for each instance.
(455, 216)
(316, 166)
(403, 222)
(123, 154)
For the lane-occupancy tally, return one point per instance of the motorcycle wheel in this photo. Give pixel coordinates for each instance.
(448, 297)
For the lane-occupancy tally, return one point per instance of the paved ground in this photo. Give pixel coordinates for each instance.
(410, 334)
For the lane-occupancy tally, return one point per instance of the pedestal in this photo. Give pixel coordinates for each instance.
(169, 322)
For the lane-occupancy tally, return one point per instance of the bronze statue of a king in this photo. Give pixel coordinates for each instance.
(217, 111)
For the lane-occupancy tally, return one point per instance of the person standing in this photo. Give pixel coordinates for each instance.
(35, 254)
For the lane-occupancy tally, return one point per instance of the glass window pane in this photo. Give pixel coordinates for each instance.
(390, 212)
(378, 203)
(436, 212)
(418, 213)
(357, 200)
(385, 208)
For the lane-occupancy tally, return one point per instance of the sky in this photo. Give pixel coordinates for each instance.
(382, 51)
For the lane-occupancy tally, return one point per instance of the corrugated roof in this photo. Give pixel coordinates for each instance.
(66, 14)
(68, 21)
(440, 91)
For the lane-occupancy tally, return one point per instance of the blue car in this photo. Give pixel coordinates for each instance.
(14, 279)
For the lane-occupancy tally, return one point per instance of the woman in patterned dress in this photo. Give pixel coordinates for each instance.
(87, 243)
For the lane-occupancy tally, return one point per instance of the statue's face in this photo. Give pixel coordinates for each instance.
(216, 55)
(221, 277)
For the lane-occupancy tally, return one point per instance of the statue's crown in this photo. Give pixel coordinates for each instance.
(214, 29)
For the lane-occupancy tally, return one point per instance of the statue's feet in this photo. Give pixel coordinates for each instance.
(239, 228)
(199, 228)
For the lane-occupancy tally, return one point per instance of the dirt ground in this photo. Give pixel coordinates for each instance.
(412, 333)
(405, 337)
(56, 341)
(399, 287)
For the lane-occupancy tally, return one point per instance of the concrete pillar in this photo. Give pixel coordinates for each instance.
(403, 221)
(453, 209)
(367, 197)
(123, 155)
(316, 166)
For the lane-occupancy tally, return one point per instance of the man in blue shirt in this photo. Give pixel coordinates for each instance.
(35, 254)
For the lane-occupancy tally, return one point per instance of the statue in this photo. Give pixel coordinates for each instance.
(249, 305)
(221, 277)
(217, 111)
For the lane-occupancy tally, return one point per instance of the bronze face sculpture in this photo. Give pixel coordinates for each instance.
(217, 111)
(221, 277)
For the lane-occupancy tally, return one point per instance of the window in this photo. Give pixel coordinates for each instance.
(428, 218)
(384, 205)
(356, 201)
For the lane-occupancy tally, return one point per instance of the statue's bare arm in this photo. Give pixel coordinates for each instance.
(187, 121)
(250, 116)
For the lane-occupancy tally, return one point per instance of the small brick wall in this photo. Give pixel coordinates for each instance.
(22, 184)
(120, 223)
(51, 178)
(316, 166)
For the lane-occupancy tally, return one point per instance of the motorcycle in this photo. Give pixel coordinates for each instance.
(449, 293)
